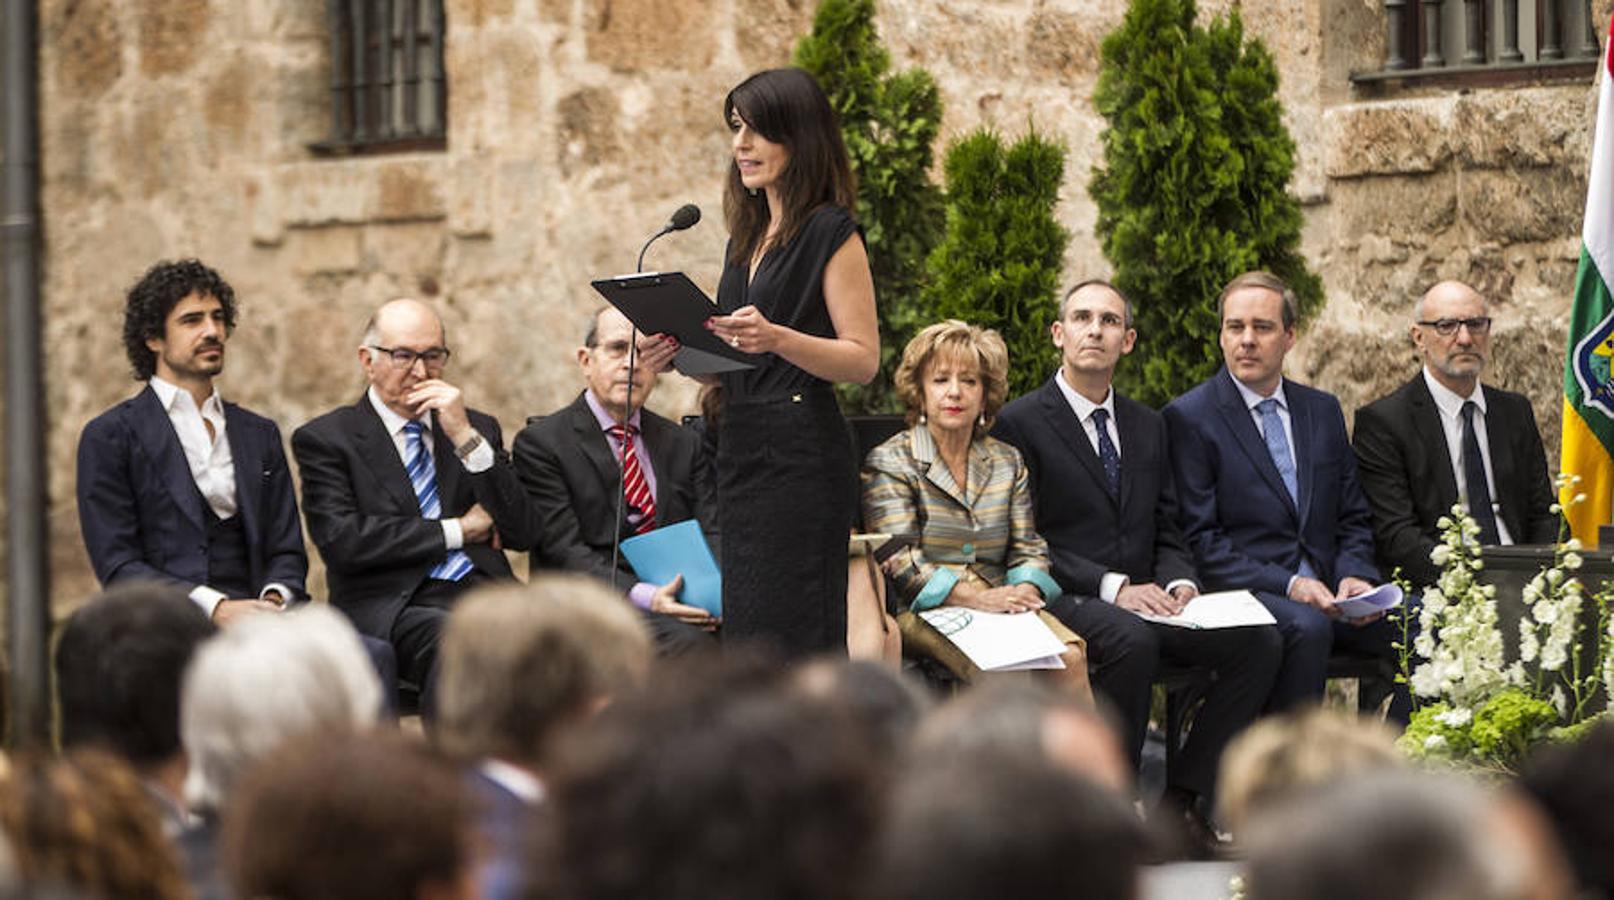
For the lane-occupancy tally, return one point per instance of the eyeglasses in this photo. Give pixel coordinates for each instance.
(404, 358)
(1448, 327)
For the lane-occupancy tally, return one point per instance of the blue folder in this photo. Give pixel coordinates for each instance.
(657, 556)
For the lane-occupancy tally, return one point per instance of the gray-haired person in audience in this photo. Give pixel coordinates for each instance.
(266, 680)
(521, 665)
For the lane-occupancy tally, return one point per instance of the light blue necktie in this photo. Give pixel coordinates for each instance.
(1278, 446)
(423, 478)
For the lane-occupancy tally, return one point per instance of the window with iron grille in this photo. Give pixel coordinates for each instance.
(1486, 41)
(388, 90)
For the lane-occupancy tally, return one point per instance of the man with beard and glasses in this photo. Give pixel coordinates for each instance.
(1443, 438)
(177, 486)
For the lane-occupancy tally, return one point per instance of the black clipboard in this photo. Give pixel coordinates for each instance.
(669, 303)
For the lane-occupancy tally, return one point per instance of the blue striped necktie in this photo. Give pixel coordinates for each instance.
(423, 478)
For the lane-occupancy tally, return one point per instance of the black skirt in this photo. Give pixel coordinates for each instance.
(786, 489)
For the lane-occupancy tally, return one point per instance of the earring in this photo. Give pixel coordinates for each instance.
(921, 418)
(981, 420)
(751, 191)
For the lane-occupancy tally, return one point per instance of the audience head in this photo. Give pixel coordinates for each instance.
(604, 361)
(1094, 329)
(119, 664)
(1258, 315)
(1574, 785)
(1023, 720)
(177, 317)
(964, 828)
(523, 663)
(716, 782)
(1387, 835)
(267, 679)
(404, 344)
(956, 349)
(350, 816)
(83, 824)
(885, 703)
(1452, 331)
(790, 139)
(1280, 756)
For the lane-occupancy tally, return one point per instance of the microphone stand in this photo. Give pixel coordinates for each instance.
(627, 437)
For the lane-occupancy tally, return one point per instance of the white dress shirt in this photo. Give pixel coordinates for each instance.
(480, 460)
(1111, 584)
(1450, 405)
(211, 463)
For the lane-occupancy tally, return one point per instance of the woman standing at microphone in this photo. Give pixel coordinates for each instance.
(796, 292)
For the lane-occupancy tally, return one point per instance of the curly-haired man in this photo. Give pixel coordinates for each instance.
(174, 484)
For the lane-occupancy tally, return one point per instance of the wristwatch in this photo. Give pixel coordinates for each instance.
(465, 450)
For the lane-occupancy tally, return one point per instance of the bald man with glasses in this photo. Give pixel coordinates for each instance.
(1443, 438)
(410, 496)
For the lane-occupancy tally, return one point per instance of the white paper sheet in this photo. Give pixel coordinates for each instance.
(1382, 598)
(999, 641)
(1225, 609)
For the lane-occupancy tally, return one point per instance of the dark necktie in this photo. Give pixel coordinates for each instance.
(637, 487)
(1479, 491)
(1106, 451)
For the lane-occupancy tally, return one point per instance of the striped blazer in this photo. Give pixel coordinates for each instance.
(983, 531)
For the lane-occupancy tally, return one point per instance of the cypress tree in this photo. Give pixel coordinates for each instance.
(998, 263)
(889, 122)
(1193, 189)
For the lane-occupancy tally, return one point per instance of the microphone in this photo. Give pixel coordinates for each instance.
(683, 217)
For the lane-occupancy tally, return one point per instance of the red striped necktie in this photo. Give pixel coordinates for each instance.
(633, 480)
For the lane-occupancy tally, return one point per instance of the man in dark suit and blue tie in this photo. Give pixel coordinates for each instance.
(177, 486)
(1443, 438)
(1107, 506)
(409, 494)
(1269, 492)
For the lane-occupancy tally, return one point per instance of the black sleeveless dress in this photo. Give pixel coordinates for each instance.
(786, 478)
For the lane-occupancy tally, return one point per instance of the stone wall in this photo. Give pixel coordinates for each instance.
(181, 127)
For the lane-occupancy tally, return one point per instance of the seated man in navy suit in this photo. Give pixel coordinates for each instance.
(177, 486)
(1269, 492)
(572, 462)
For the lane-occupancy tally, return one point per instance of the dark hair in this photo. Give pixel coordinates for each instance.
(120, 662)
(145, 312)
(787, 107)
(1012, 827)
(1575, 787)
(348, 817)
(716, 782)
(1064, 303)
(1265, 281)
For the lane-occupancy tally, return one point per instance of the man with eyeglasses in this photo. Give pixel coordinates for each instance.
(409, 494)
(1443, 438)
(573, 462)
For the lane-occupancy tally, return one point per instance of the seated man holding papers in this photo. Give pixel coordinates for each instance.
(572, 464)
(968, 499)
(1106, 504)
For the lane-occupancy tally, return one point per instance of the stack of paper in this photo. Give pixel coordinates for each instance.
(999, 642)
(1383, 598)
(659, 555)
(1226, 609)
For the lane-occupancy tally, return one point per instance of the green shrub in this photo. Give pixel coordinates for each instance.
(889, 122)
(1193, 188)
(999, 261)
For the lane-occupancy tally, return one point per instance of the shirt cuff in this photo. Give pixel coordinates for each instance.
(935, 590)
(453, 534)
(1181, 582)
(1037, 578)
(1290, 587)
(481, 459)
(277, 587)
(1110, 586)
(207, 598)
(641, 594)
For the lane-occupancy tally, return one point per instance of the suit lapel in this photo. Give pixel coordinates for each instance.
(656, 447)
(378, 450)
(596, 449)
(1503, 465)
(1426, 420)
(1301, 422)
(447, 466)
(1237, 418)
(1071, 430)
(925, 453)
(1126, 424)
(246, 457)
(161, 443)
